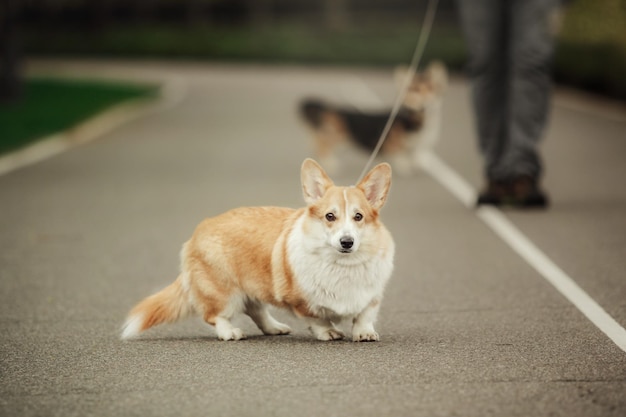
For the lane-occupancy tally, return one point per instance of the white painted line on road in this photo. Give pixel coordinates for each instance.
(172, 93)
(526, 249)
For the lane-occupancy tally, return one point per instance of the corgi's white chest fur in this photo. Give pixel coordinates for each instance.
(337, 285)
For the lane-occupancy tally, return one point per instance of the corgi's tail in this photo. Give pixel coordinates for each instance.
(166, 306)
(311, 110)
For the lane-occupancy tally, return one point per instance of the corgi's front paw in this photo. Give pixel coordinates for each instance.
(231, 334)
(365, 337)
(277, 329)
(364, 333)
(324, 330)
(330, 334)
(226, 331)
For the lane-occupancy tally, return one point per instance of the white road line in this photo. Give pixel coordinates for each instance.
(172, 93)
(527, 250)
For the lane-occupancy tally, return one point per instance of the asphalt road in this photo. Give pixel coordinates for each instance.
(467, 327)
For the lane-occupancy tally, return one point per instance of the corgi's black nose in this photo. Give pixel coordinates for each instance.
(346, 242)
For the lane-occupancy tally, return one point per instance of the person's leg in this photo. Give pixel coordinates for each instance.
(484, 24)
(531, 50)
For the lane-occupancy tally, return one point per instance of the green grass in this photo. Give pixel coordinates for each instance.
(49, 106)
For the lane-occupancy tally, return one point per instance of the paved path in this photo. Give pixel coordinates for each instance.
(468, 328)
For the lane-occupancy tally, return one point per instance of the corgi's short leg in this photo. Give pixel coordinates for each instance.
(218, 303)
(259, 313)
(218, 314)
(226, 331)
(363, 324)
(324, 329)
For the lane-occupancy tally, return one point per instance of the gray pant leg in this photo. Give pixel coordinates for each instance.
(531, 51)
(484, 24)
(510, 48)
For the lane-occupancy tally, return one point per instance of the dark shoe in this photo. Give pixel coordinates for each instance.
(526, 193)
(521, 192)
(495, 194)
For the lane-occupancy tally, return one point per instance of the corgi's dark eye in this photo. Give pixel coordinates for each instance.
(358, 217)
(330, 217)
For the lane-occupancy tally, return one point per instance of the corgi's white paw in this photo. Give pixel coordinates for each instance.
(324, 329)
(329, 334)
(231, 334)
(370, 336)
(364, 332)
(277, 328)
(226, 331)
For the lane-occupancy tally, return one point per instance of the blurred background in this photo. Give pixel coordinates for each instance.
(591, 53)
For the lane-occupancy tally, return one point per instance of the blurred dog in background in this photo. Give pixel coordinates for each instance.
(414, 131)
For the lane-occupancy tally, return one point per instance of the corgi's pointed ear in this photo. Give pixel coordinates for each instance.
(315, 182)
(376, 185)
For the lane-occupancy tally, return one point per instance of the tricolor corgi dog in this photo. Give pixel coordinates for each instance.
(325, 262)
(414, 131)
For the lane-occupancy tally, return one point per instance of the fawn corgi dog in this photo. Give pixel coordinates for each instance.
(414, 130)
(324, 262)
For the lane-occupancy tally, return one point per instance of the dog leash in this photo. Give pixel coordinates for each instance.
(422, 40)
